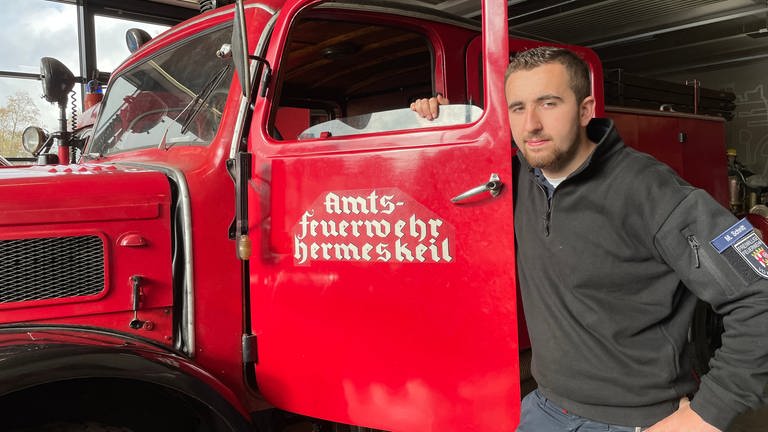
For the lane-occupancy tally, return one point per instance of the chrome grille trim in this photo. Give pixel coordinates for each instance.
(186, 343)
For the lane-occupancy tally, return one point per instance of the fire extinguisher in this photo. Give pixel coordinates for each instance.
(736, 183)
(93, 94)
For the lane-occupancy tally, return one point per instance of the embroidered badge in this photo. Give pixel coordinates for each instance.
(741, 238)
(752, 249)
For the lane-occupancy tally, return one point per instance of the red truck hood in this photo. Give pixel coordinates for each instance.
(73, 237)
(79, 193)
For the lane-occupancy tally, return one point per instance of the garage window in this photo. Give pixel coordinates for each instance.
(111, 48)
(30, 30)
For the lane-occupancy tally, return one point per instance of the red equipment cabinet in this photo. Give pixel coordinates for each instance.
(693, 145)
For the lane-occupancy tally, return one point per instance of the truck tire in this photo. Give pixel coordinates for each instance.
(75, 427)
(207, 5)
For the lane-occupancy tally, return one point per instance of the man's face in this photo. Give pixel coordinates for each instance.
(546, 119)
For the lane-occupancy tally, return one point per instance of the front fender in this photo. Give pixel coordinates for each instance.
(32, 356)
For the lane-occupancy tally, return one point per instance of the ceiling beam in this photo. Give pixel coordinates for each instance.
(142, 10)
(466, 8)
(189, 4)
(718, 64)
(680, 26)
(683, 46)
(550, 10)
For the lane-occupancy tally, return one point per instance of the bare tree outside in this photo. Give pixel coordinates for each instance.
(18, 112)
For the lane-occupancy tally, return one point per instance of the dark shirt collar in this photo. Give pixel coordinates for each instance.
(540, 179)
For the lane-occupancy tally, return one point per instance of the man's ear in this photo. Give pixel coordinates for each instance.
(586, 110)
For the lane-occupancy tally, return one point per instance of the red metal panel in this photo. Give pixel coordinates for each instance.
(694, 146)
(218, 294)
(391, 343)
(705, 164)
(107, 202)
(290, 122)
(653, 134)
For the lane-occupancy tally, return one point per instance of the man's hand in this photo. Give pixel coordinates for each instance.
(683, 420)
(429, 108)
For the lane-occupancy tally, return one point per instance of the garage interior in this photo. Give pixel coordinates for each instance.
(685, 49)
(715, 45)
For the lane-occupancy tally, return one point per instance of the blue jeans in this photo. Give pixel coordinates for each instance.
(539, 414)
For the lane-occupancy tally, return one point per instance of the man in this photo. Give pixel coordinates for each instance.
(613, 248)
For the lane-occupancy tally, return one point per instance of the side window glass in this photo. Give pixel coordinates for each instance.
(474, 67)
(341, 78)
(174, 98)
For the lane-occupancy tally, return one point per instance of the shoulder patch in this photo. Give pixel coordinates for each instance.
(753, 250)
(742, 239)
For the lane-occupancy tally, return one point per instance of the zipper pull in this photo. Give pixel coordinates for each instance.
(695, 246)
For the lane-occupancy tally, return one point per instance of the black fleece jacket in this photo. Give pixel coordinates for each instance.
(609, 270)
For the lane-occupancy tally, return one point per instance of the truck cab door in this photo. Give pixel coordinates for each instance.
(380, 296)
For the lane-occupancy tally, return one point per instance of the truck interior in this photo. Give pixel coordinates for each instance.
(356, 72)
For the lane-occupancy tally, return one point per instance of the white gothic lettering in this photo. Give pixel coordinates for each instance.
(370, 228)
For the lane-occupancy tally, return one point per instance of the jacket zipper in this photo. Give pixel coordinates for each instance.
(548, 214)
(695, 246)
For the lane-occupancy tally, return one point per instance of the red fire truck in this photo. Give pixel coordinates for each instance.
(260, 235)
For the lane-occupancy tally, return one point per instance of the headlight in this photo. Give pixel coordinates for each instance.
(33, 139)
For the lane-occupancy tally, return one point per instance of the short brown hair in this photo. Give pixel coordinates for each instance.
(577, 68)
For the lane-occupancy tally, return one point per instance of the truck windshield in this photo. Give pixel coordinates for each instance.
(175, 97)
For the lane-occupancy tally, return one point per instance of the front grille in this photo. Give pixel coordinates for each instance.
(50, 268)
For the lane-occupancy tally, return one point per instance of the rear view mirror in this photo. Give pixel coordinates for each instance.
(135, 38)
(240, 50)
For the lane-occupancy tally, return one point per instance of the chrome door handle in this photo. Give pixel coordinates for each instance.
(493, 186)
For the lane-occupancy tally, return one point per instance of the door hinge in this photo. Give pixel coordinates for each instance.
(250, 349)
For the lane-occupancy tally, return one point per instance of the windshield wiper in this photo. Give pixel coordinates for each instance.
(201, 98)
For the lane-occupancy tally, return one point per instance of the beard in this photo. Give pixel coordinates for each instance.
(551, 159)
